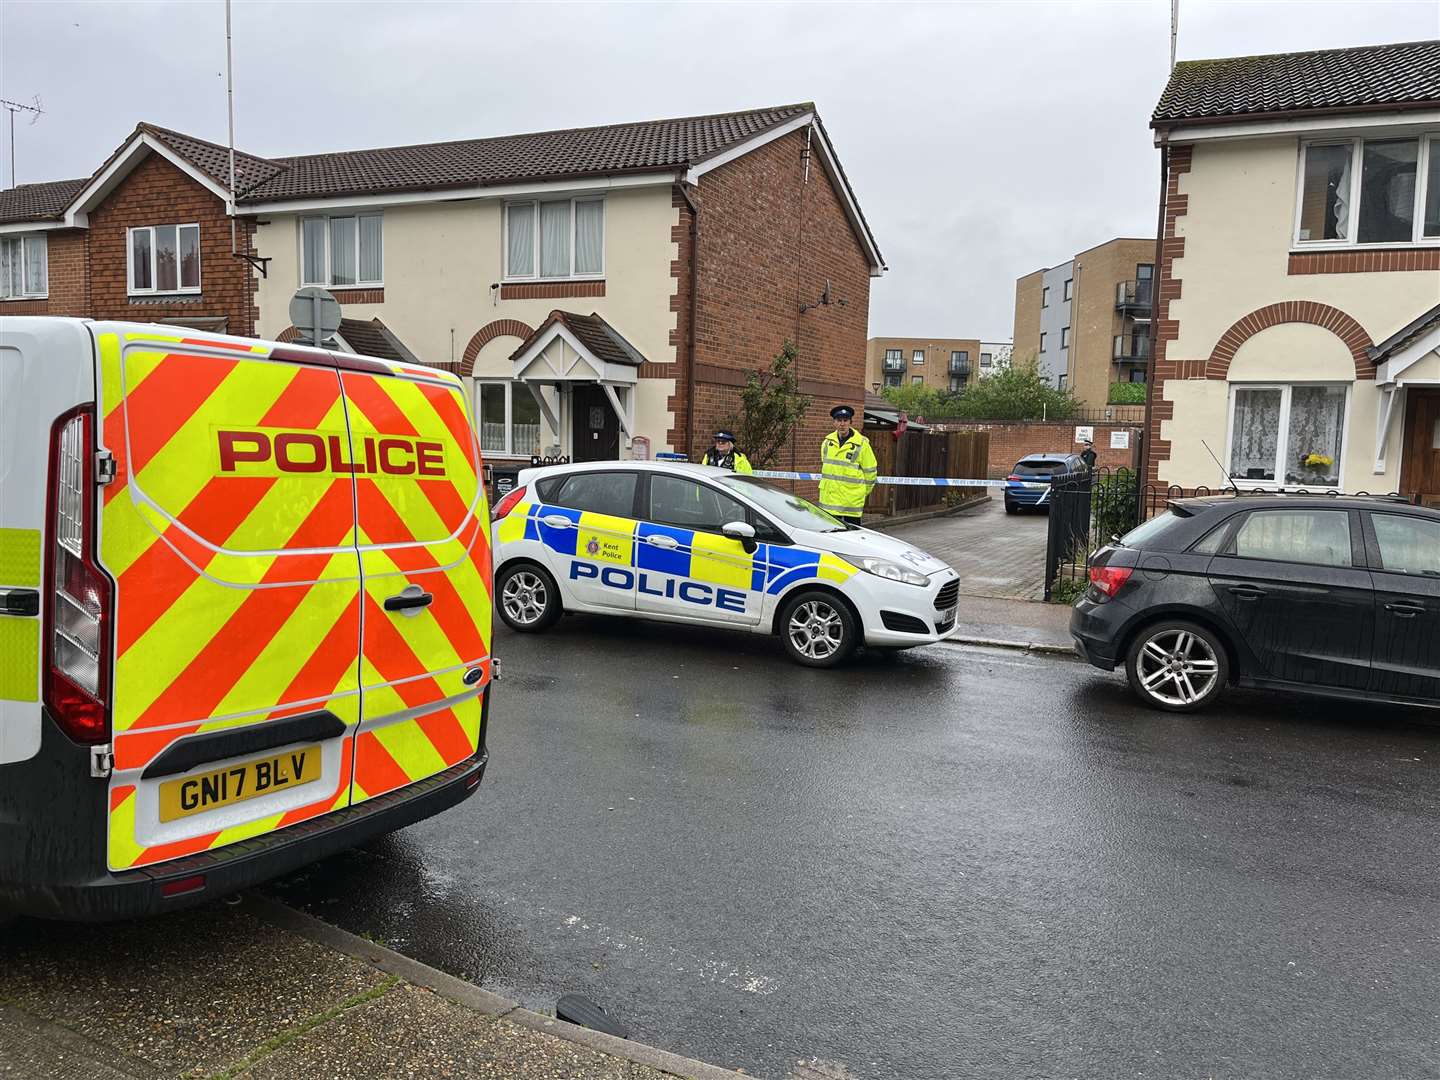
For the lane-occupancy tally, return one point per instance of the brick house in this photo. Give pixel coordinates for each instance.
(600, 285)
(1297, 333)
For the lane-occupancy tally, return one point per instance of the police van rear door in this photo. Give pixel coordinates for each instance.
(425, 560)
(687, 567)
(229, 531)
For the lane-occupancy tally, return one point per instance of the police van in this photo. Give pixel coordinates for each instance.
(694, 544)
(244, 610)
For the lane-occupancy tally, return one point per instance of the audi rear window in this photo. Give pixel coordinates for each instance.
(1147, 532)
(1035, 468)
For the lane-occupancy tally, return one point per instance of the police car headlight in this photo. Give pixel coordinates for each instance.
(890, 571)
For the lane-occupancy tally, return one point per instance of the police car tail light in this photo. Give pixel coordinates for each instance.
(79, 602)
(1110, 579)
(508, 503)
(1014, 476)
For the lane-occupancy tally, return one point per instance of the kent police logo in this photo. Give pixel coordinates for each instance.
(593, 547)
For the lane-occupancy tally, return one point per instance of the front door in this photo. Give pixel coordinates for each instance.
(1288, 582)
(1420, 461)
(594, 431)
(687, 567)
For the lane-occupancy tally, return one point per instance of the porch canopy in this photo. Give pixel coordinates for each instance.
(567, 349)
(1408, 357)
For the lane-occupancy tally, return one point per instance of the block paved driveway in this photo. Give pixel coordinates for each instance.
(995, 553)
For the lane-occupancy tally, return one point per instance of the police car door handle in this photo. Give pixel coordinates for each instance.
(660, 540)
(557, 521)
(408, 601)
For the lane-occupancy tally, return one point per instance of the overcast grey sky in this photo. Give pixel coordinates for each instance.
(984, 139)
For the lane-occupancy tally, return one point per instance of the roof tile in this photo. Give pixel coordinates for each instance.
(38, 202)
(1402, 74)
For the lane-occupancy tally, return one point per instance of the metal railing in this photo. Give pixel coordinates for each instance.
(1127, 348)
(1133, 297)
(896, 363)
(959, 367)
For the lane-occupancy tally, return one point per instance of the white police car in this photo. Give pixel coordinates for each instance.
(689, 543)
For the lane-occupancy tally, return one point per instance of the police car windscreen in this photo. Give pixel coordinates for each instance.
(788, 509)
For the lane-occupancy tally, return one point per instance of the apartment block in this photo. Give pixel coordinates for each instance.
(945, 364)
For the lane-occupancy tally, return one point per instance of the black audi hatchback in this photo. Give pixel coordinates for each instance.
(1330, 595)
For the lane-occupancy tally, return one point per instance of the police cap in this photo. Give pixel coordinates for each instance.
(724, 436)
(841, 412)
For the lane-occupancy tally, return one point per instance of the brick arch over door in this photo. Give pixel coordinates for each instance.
(288, 334)
(488, 333)
(1293, 311)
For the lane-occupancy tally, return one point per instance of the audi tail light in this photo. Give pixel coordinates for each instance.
(1109, 580)
(79, 604)
(508, 503)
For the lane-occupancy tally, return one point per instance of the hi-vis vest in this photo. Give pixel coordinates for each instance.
(847, 473)
(738, 462)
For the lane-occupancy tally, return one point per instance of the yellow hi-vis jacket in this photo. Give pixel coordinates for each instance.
(847, 473)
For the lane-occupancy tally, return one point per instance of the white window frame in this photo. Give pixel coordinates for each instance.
(1352, 224)
(917, 357)
(21, 242)
(1283, 436)
(513, 386)
(155, 289)
(535, 204)
(378, 283)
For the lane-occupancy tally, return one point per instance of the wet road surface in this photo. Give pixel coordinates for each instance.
(948, 862)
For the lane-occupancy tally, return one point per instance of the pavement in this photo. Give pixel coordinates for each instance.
(253, 989)
(996, 554)
(953, 861)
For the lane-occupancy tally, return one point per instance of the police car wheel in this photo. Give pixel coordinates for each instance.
(529, 598)
(818, 630)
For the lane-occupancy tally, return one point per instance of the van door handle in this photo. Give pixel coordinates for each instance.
(557, 521)
(660, 540)
(1406, 609)
(408, 601)
(1247, 592)
(19, 602)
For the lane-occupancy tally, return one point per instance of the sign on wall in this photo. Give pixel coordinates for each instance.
(640, 448)
(1085, 433)
(1120, 440)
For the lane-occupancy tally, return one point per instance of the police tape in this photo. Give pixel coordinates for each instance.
(907, 481)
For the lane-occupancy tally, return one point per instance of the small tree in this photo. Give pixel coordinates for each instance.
(913, 400)
(1014, 393)
(771, 407)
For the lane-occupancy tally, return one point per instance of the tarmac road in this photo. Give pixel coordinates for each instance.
(949, 862)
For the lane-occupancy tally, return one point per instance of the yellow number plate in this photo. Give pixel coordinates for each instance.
(196, 794)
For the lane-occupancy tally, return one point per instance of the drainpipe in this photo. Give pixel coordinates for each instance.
(1157, 282)
(690, 330)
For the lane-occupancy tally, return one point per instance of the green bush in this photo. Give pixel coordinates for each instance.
(1127, 393)
(1013, 393)
(1114, 506)
(1067, 590)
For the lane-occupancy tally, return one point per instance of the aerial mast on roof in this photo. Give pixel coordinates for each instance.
(230, 105)
(1174, 26)
(12, 107)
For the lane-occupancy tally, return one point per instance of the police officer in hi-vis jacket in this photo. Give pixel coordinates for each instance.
(847, 468)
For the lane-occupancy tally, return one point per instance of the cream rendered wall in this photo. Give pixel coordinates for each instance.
(440, 260)
(1237, 229)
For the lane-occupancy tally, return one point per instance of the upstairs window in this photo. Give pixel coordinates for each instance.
(1064, 337)
(164, 259)
(1069, 283)
(1045, 296)
(342, 251)
(24, 267)
(917, 357)
(560, 239)
(1369, 191)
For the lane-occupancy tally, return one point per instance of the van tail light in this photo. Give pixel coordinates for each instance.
(79, 600)
(1110, 579)
(508, 503)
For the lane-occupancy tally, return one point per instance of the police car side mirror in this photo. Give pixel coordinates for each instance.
(742, 531)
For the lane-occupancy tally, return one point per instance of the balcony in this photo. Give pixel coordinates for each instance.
(1132, 298)
(1131, 350)
(895, 363)
(960, 367)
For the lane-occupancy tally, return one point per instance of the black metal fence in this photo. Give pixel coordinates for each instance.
(1089, 509)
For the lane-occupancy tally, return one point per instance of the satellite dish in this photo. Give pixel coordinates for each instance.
(316, 314)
